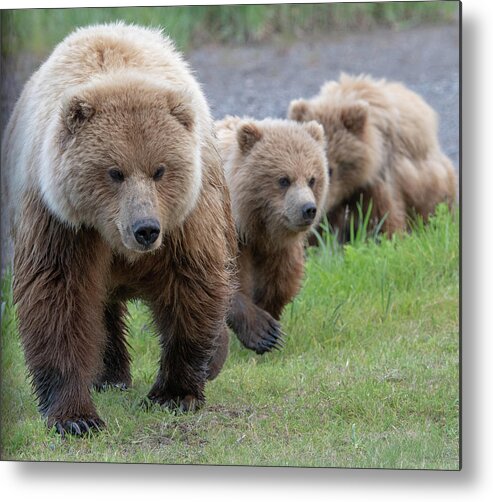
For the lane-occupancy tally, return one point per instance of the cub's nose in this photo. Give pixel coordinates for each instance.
(146, 231)
(309, 211)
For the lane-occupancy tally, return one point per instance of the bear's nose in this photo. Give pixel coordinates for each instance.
(146, 231)
(309, 211)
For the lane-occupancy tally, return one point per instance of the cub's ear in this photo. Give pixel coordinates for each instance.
(248, 134)
(315, 130)
(299, 110)
(180, 107)
(355, 116)
(77, 112)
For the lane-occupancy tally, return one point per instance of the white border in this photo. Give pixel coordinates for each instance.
(83, 482)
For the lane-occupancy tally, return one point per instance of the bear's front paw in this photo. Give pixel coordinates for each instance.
(186, 403)
(263, 334)
(77, 426)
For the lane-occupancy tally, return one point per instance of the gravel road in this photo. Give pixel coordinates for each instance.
(260, 80)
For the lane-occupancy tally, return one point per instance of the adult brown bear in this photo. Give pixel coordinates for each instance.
(117, 192)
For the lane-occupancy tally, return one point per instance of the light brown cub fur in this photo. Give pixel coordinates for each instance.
(277, 175)
(119, 194)
(382, 145)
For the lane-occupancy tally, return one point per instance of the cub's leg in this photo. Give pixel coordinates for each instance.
(59, 289)
(255, 328)
(278, 279)
(387, 204)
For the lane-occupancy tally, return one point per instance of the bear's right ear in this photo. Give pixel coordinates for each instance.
(354, 117)
(299, 110)
(248, 134)
(179, 103)
(76, 113)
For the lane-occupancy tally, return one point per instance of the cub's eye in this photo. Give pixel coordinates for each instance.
(311, 183)
(330, 172)
(345, 166)
(159, 173)
(116, 175)
(284, 182)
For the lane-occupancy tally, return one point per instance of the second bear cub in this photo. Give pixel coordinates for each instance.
(383, 147)
(276, 171)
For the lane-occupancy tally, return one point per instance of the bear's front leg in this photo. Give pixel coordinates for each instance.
(255, 328)
(190, 319)
(58, 290)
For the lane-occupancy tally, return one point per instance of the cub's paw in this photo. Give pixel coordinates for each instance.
(187, 403)
(264, 334)
(78, 426)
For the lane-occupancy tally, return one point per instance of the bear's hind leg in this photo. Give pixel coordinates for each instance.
(116, 359)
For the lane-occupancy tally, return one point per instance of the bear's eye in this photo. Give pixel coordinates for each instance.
(116, 175)
(330, 172)
(346, 166)
(311, 183)
(159, 173)
(284, 182)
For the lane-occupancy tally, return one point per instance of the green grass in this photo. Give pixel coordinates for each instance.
(369, 376)
(38, 30)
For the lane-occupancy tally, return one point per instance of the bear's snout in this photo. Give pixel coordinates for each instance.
(309, 211)
(146, 231)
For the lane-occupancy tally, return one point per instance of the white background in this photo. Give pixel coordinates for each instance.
(88, 482)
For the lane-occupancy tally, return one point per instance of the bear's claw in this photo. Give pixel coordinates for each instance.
(184, 404)
(79, 427)
(273, 340)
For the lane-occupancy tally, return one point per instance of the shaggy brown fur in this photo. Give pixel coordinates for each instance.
(121, 195)
(277, 175)
(382, 146)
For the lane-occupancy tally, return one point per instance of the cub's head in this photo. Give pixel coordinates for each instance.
(128, 162)
(350, 136)
(279, 176)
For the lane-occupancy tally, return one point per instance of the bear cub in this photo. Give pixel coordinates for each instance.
(119, 194)
(276, 172)
(382, 147)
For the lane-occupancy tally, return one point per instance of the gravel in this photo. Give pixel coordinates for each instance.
(261, 80)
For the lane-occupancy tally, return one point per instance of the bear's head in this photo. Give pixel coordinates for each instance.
(352, 141)
(127, 162)
(280, 179)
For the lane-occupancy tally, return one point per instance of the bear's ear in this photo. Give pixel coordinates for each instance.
(354, 117)
(180, 108)
(329, 87)
(298, 110)
(76, 113)
(315, 130)
(248, 134)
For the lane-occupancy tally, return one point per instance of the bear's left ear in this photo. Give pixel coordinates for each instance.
(315, 130)
(76, 113)
(179, 104)
(248, 134)
(354, 117)
(298, 110)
